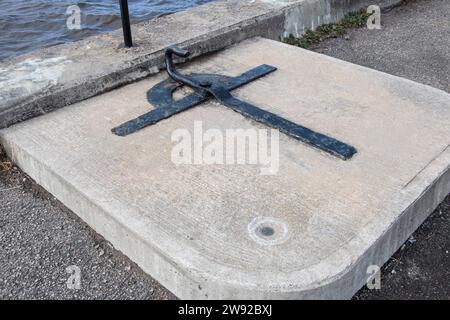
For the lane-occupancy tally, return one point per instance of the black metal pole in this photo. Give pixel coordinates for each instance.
(126, 23)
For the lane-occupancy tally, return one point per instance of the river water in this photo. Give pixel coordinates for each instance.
(26, 25)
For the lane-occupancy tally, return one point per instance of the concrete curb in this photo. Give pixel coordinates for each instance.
(51, 78)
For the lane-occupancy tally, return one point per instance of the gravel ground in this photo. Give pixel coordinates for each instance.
(414, 43)
(40, 238)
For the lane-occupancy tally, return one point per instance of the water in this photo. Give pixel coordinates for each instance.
(27, 25)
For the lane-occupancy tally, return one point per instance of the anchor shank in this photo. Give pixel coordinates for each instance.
(306, 135)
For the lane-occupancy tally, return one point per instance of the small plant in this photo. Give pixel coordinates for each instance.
(298, 42)
(330, 30)
(356, 19)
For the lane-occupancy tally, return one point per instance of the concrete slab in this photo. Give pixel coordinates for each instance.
(197, 228)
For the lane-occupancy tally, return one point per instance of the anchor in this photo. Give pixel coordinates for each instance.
(209, 86)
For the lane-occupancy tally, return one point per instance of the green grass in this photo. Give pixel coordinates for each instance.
(330, 30)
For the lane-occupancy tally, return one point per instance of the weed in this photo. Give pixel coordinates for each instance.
(330, 30)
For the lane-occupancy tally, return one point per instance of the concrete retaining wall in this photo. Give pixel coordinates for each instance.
(47, 79)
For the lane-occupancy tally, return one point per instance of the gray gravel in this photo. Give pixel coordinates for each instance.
(414, 43)
(39, 238)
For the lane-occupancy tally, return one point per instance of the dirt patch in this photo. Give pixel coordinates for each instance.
(5, 163)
